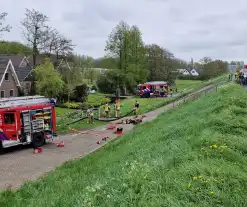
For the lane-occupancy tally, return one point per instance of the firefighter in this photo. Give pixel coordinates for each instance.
(171, 92)
(91, 116)
(162, 92)
(107, 109)
(117, 108)
(88, 115)
(136, 108)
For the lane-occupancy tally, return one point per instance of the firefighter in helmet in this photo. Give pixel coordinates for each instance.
(117, 108)
(136, 109)
(107, 110)
(162, 91)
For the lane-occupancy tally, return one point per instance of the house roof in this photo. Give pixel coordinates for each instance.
(16, 59)
(22, 72)
(40, 58)
(4, 60)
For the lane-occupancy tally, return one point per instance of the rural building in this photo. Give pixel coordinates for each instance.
(184, 71)
(9, 82)
(15, 71)
(187, 72)
(193, 72)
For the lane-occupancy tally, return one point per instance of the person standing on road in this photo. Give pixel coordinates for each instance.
(107, 109)
(162, 91)
(117, 108)
(136, 108)
(92, 116)
(88, 115)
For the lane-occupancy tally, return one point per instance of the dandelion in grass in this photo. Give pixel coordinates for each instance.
(195, 178)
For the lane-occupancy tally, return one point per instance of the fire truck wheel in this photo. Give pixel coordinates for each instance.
(38, 139)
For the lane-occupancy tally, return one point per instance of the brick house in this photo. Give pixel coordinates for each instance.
(9, 82)
(15, 71)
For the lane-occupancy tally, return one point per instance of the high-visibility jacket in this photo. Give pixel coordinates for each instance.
(117, 106)
(107, 107)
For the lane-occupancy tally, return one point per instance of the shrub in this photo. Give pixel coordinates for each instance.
(73, 105)
(95, 100)
(80, 92)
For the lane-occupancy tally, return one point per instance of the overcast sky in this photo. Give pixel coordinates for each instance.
(188, 28)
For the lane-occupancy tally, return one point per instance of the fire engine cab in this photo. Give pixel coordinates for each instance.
(26, 120)
(154, 88)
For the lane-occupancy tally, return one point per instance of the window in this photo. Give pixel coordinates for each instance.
(2, 94)
(11, 93)
(6, 77)
(9, 118)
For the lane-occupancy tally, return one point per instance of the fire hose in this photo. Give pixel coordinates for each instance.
(115, 119)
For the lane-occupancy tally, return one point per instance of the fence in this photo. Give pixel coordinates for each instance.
(197, 95)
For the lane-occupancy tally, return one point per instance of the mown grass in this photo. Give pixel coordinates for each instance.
(194, 155)
(183, 85)
(63, 111)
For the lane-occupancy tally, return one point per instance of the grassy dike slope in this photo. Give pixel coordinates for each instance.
(194, 155)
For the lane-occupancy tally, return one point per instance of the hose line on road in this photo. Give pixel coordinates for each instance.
(115, 119)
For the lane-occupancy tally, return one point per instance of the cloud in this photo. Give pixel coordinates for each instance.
(188, 28)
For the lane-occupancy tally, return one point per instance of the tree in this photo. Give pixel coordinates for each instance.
(205, 60)
(3, 28)
(106, 62)
(125, 44)
(35, 30)
(49, 83)
(80, 92)
(58, 44)
(14, 48)
(156, 62)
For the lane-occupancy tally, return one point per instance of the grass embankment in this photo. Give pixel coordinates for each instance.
(194, 155)
(183, 85)
(146, 105)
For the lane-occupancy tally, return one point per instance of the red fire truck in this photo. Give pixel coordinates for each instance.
(26, 120)
(154, 88)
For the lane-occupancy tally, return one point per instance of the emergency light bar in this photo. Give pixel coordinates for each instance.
(25, 100)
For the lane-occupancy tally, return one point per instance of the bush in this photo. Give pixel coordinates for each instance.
(80, 93)
(75, 105)
(95, 100)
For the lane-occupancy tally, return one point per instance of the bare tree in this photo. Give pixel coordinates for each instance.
(63, 47)
(35, 30)
(3, 28)
(51, 39)
(57, 44)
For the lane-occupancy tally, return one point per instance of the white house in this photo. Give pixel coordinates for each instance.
(184, 71)
(194, 72)
(101, 70)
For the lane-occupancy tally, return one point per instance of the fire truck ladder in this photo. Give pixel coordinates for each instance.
(25, 100)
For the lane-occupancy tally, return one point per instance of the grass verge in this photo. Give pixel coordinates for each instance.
(183, 85)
